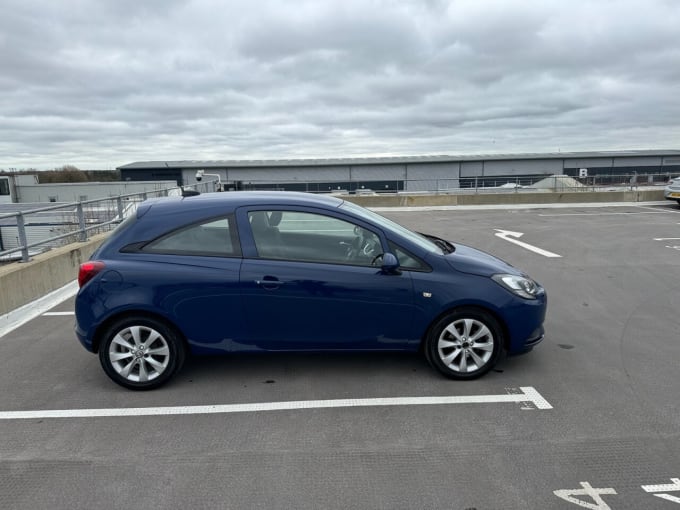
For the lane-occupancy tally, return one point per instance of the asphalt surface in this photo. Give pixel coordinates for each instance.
(609, 367)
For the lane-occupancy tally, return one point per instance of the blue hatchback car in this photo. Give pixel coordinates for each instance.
(279, 271)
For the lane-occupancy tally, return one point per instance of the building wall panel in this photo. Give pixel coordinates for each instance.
(72, 192)
(471, 168)
(637, 161)
(588, 163)
(289, 174)
(378, 172)
(432, 176)
(523, 167)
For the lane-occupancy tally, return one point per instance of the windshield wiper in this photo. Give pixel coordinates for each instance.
(443, 244)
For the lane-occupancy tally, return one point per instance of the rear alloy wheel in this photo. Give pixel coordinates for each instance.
(464, 344)
(140, 353)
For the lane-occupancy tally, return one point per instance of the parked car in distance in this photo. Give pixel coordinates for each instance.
(672, 190)
(279, 271)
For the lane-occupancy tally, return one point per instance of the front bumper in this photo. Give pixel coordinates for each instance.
(535, 339)
(672, 193)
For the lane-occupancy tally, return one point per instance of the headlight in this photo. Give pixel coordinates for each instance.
(520, 285)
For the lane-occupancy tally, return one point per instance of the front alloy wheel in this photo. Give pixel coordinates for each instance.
(464, 344)
(140, 353)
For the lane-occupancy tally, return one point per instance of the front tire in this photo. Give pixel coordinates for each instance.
(464, 344)
(141, 353)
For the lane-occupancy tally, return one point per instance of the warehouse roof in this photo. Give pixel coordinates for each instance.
(237, 163)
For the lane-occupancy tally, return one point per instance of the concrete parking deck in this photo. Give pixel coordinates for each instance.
(608, 368)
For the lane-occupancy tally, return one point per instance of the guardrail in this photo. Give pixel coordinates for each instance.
(556, 183)
(476, 184)
(48, 227)
(43, 228)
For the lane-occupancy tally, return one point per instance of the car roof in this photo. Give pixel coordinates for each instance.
(233, 199)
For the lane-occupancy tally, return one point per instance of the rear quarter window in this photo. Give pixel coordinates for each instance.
(214, 238)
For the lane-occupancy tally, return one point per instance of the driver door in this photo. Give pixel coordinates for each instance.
(309, 282)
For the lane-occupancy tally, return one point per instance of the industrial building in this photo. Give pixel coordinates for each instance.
(25, 188)
(420, 173)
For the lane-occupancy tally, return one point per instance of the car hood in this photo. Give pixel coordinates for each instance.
(472, 261)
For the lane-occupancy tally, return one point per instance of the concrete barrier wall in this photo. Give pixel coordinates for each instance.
(418, 200)
(22, 283)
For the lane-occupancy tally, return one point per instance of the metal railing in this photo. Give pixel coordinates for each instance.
(37, 230)
(476, 184)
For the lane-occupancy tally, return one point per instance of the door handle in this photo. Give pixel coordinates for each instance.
(269, 283)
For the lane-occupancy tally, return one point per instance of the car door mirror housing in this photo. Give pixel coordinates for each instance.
(390, 264)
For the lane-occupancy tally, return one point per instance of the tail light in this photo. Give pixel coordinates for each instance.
(88, 270)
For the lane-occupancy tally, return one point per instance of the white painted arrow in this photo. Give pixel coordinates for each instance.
(509, 234)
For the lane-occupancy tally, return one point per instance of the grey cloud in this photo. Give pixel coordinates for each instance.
(103, 83)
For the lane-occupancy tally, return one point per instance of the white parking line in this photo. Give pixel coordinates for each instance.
(525, 395)
(602, 214)
(672, 211)
(56, 314)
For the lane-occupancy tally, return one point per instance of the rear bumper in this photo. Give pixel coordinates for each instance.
(82, 338)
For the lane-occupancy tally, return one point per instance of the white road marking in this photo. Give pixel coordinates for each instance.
(527, 394)
(601, 214)
(668, 487)
(587, 490)
(56, 314)
(666, 238)
(12, 320)
(665, 210)
(508, 234)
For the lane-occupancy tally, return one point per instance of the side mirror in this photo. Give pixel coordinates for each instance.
(390, 264)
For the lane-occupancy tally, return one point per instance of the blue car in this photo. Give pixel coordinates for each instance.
(277, 271)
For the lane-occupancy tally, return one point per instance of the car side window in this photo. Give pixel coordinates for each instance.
(310, 237)
(407, 260)
(216, 238)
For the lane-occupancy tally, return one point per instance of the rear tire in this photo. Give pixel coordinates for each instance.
(464, 344)
(141, 353)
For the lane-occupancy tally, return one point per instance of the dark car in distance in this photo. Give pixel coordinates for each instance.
(279, 271)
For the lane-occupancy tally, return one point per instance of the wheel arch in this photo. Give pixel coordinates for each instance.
(124, 314)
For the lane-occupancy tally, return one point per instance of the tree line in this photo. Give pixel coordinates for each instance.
(71, 173)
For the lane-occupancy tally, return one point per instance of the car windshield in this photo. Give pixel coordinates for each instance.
(388, 224)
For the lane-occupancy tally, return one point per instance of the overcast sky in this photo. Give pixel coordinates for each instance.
(99, 84)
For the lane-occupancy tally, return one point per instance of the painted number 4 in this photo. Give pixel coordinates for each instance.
(588, 491)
